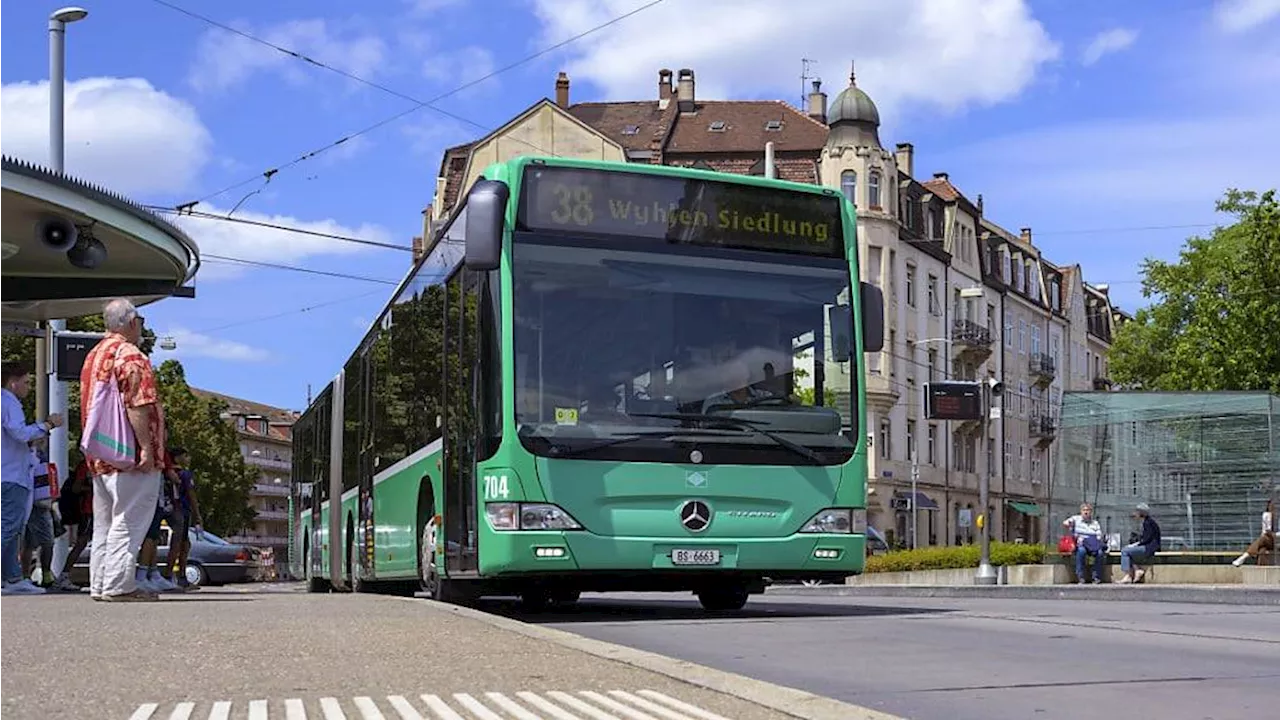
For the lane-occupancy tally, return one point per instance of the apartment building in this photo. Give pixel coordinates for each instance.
(266, 442)
(964, 298)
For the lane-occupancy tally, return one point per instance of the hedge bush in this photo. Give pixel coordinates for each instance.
(947, 558)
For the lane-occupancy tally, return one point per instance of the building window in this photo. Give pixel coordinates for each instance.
(885, 448)
(891, 351)
(1008, 332)
(911, 285)
(932, 441)
(849, 186)
(717, 126)
(1035, 339)
(911, 440)
(875, 260)
(873, 189)
(631, 130)
(1022, 335)
(991, 457)
(773, 125)
(931, 232)
(934, 307)
(933, 366)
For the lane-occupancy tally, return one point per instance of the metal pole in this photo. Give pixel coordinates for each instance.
(58, 453)
(986, 573)
(915, 521)
(768, 160)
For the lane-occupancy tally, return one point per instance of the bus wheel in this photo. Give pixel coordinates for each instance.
(535, 600)
(723, 599)
(314, 585)
(566, 597)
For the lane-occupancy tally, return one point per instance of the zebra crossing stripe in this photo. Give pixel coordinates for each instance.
(521, 705)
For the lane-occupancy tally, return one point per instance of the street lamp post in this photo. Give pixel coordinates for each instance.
(58, 452)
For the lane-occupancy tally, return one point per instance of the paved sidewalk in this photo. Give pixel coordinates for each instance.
(234, 653)
(1211, 594)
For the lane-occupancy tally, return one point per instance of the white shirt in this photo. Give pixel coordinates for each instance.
(18, 433)
(1081, 528)
(1266, 522)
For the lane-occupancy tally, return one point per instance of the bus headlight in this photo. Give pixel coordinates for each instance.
(839, 521)
(529, 516)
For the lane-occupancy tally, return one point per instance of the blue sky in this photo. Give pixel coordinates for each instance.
(1066, 115)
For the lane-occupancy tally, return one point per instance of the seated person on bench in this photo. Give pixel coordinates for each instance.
(1088, 533)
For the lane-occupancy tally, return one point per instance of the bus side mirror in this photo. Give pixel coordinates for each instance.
(486, 212)
(840, 327)
(872, 318)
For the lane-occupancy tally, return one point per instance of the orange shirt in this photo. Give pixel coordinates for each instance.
(137, 382)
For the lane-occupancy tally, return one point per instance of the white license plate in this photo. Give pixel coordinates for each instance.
(695, 557)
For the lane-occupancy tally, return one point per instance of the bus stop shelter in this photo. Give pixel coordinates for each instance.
(116, 249)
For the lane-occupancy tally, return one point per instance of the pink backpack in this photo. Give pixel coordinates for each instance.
(107, 434)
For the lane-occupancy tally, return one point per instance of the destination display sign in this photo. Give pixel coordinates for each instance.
(679, 210)
(953, 401)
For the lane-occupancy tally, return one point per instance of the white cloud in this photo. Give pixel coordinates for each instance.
(457, 67)
(426, 7)
(264, 244)
(1107, 42)
(224, 60)
(194, 344)
(114, 127)
(936, 55)
(1236, 16)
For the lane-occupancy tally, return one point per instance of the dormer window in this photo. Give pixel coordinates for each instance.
(773, 125)
(717, 126)
(631, 130)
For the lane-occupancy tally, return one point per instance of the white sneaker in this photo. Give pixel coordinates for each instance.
(22, 587)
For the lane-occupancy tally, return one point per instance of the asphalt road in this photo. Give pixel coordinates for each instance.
(252, 652)
(960, 659)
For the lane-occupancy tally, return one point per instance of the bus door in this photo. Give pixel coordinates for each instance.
(364, 540)
(461, 514)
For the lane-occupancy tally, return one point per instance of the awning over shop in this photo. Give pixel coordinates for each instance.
(1026, 508)
(923, 502)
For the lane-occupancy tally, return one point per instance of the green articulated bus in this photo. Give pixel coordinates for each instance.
(602, 377)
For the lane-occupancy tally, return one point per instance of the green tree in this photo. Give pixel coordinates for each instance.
(223, 480)
(1215, 323)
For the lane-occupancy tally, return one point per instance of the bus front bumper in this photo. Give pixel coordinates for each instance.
(799, 556)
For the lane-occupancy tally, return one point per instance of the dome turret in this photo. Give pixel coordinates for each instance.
(853, 105)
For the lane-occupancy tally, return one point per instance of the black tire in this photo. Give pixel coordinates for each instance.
(535, 600)
(196, 575)
(436, 586)
(726, 599)
(566, 597)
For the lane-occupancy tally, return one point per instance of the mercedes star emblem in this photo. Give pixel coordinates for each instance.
(695, 515)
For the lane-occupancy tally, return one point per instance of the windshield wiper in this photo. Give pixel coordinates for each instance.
(747, 425)
(560, 450)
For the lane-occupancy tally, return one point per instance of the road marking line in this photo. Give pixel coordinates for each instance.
(581, 706)
(511, 706)
(681, 705)
(331, 709)
(144, 711)
(182, 711)
(368, 708)
(404, 707)
(616, 706)
(294, 709)
(657, 709)
(258, 710)
(221, 711)
(476, 707)
(439, 707)
(546, 706)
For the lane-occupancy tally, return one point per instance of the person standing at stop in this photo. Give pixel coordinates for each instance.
(16, 478)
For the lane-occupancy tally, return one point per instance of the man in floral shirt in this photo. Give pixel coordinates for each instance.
(124, 499)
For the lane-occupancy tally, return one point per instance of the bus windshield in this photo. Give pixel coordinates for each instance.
(631, 354)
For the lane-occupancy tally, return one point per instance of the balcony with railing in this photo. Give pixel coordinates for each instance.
(969, 336)
(1043, 428)
(259, 540)
(272, 489)
(262, 461)
(1043, 368)
(271, 514)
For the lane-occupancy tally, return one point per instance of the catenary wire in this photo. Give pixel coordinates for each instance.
(418, 104)
(275, 226)
(295, 268)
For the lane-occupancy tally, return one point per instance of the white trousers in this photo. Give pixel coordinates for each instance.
(124, 504)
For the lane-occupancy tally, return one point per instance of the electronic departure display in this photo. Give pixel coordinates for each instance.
(953, 400)
(679, 210)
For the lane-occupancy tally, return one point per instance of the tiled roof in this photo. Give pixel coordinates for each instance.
(630, 124)
(249, 407)
(452, 167)
(745, 128)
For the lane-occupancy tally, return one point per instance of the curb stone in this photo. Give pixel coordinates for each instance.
(1205, 594)
(786, 700)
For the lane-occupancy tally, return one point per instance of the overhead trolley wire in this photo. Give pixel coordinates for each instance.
(418, 104)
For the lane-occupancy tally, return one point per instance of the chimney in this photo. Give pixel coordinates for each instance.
(664, 84)
(818, 103)
(979, 203)
(905, 156)
(419, 249)
(684, 90)
(941, 176)
(1025, 235)
(562, 90)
